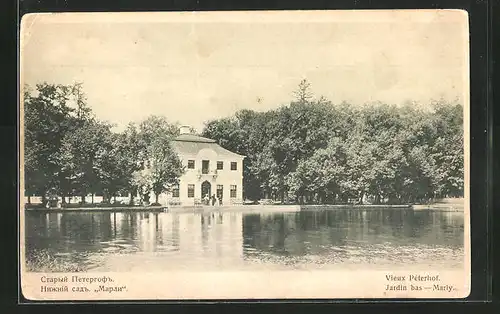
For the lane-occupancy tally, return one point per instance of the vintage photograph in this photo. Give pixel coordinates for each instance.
(273, 148)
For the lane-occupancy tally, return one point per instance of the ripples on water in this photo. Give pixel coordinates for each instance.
(104, 241)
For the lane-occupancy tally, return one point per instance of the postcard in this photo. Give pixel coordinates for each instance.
(244, 155)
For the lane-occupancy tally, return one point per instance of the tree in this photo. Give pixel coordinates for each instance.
(160, 166)
(448, 149)
(386, 153)
(155, 127)
(143, 181)
(319, 176)
(47, 120)
(80, 156)
(112, 165)
(166, 167)
(303, 93)
(132, 156)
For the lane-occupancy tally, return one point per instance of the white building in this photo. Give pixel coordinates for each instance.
(210, 170)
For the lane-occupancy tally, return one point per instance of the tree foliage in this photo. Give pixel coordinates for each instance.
(70, 152)
(161, 167)
(309, 151)
(319, 152)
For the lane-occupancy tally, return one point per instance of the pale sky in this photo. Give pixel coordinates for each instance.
(195, 67)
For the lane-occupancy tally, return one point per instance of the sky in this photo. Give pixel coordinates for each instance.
(193, 67)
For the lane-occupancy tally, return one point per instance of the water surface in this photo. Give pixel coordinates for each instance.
(325, 239)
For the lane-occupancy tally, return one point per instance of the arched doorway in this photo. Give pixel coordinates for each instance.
(206, 188)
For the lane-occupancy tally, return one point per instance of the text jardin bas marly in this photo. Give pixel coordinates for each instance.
(418, 283)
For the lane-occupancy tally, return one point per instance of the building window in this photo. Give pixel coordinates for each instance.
(190, 164)
(220, 165)
(190, 190)
(175, 191)
(205, 165)
(232, 193)
(234, 165)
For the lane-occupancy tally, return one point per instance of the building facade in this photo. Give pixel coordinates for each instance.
(209, 170)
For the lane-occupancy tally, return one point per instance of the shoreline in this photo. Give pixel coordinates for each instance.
(100, 209)
(248, 208)
(440, 207)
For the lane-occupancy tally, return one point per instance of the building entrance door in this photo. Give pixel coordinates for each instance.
(220, 193)
(206, 191)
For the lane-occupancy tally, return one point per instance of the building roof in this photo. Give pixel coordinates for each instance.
(189, 144)
(193, 138)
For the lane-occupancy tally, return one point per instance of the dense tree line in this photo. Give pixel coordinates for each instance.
(309, 151)
(313, 151)
(69, 152)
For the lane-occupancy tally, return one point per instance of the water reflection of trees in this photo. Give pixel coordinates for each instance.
(65, 232)
(311, 232)
(294, 233)
(228, 236)
(67, 235)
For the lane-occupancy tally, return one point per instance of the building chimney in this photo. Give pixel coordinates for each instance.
(185, 129)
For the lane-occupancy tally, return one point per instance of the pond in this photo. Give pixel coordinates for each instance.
(323, 239)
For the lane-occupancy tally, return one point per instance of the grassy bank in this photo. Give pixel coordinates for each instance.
(43, 261)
